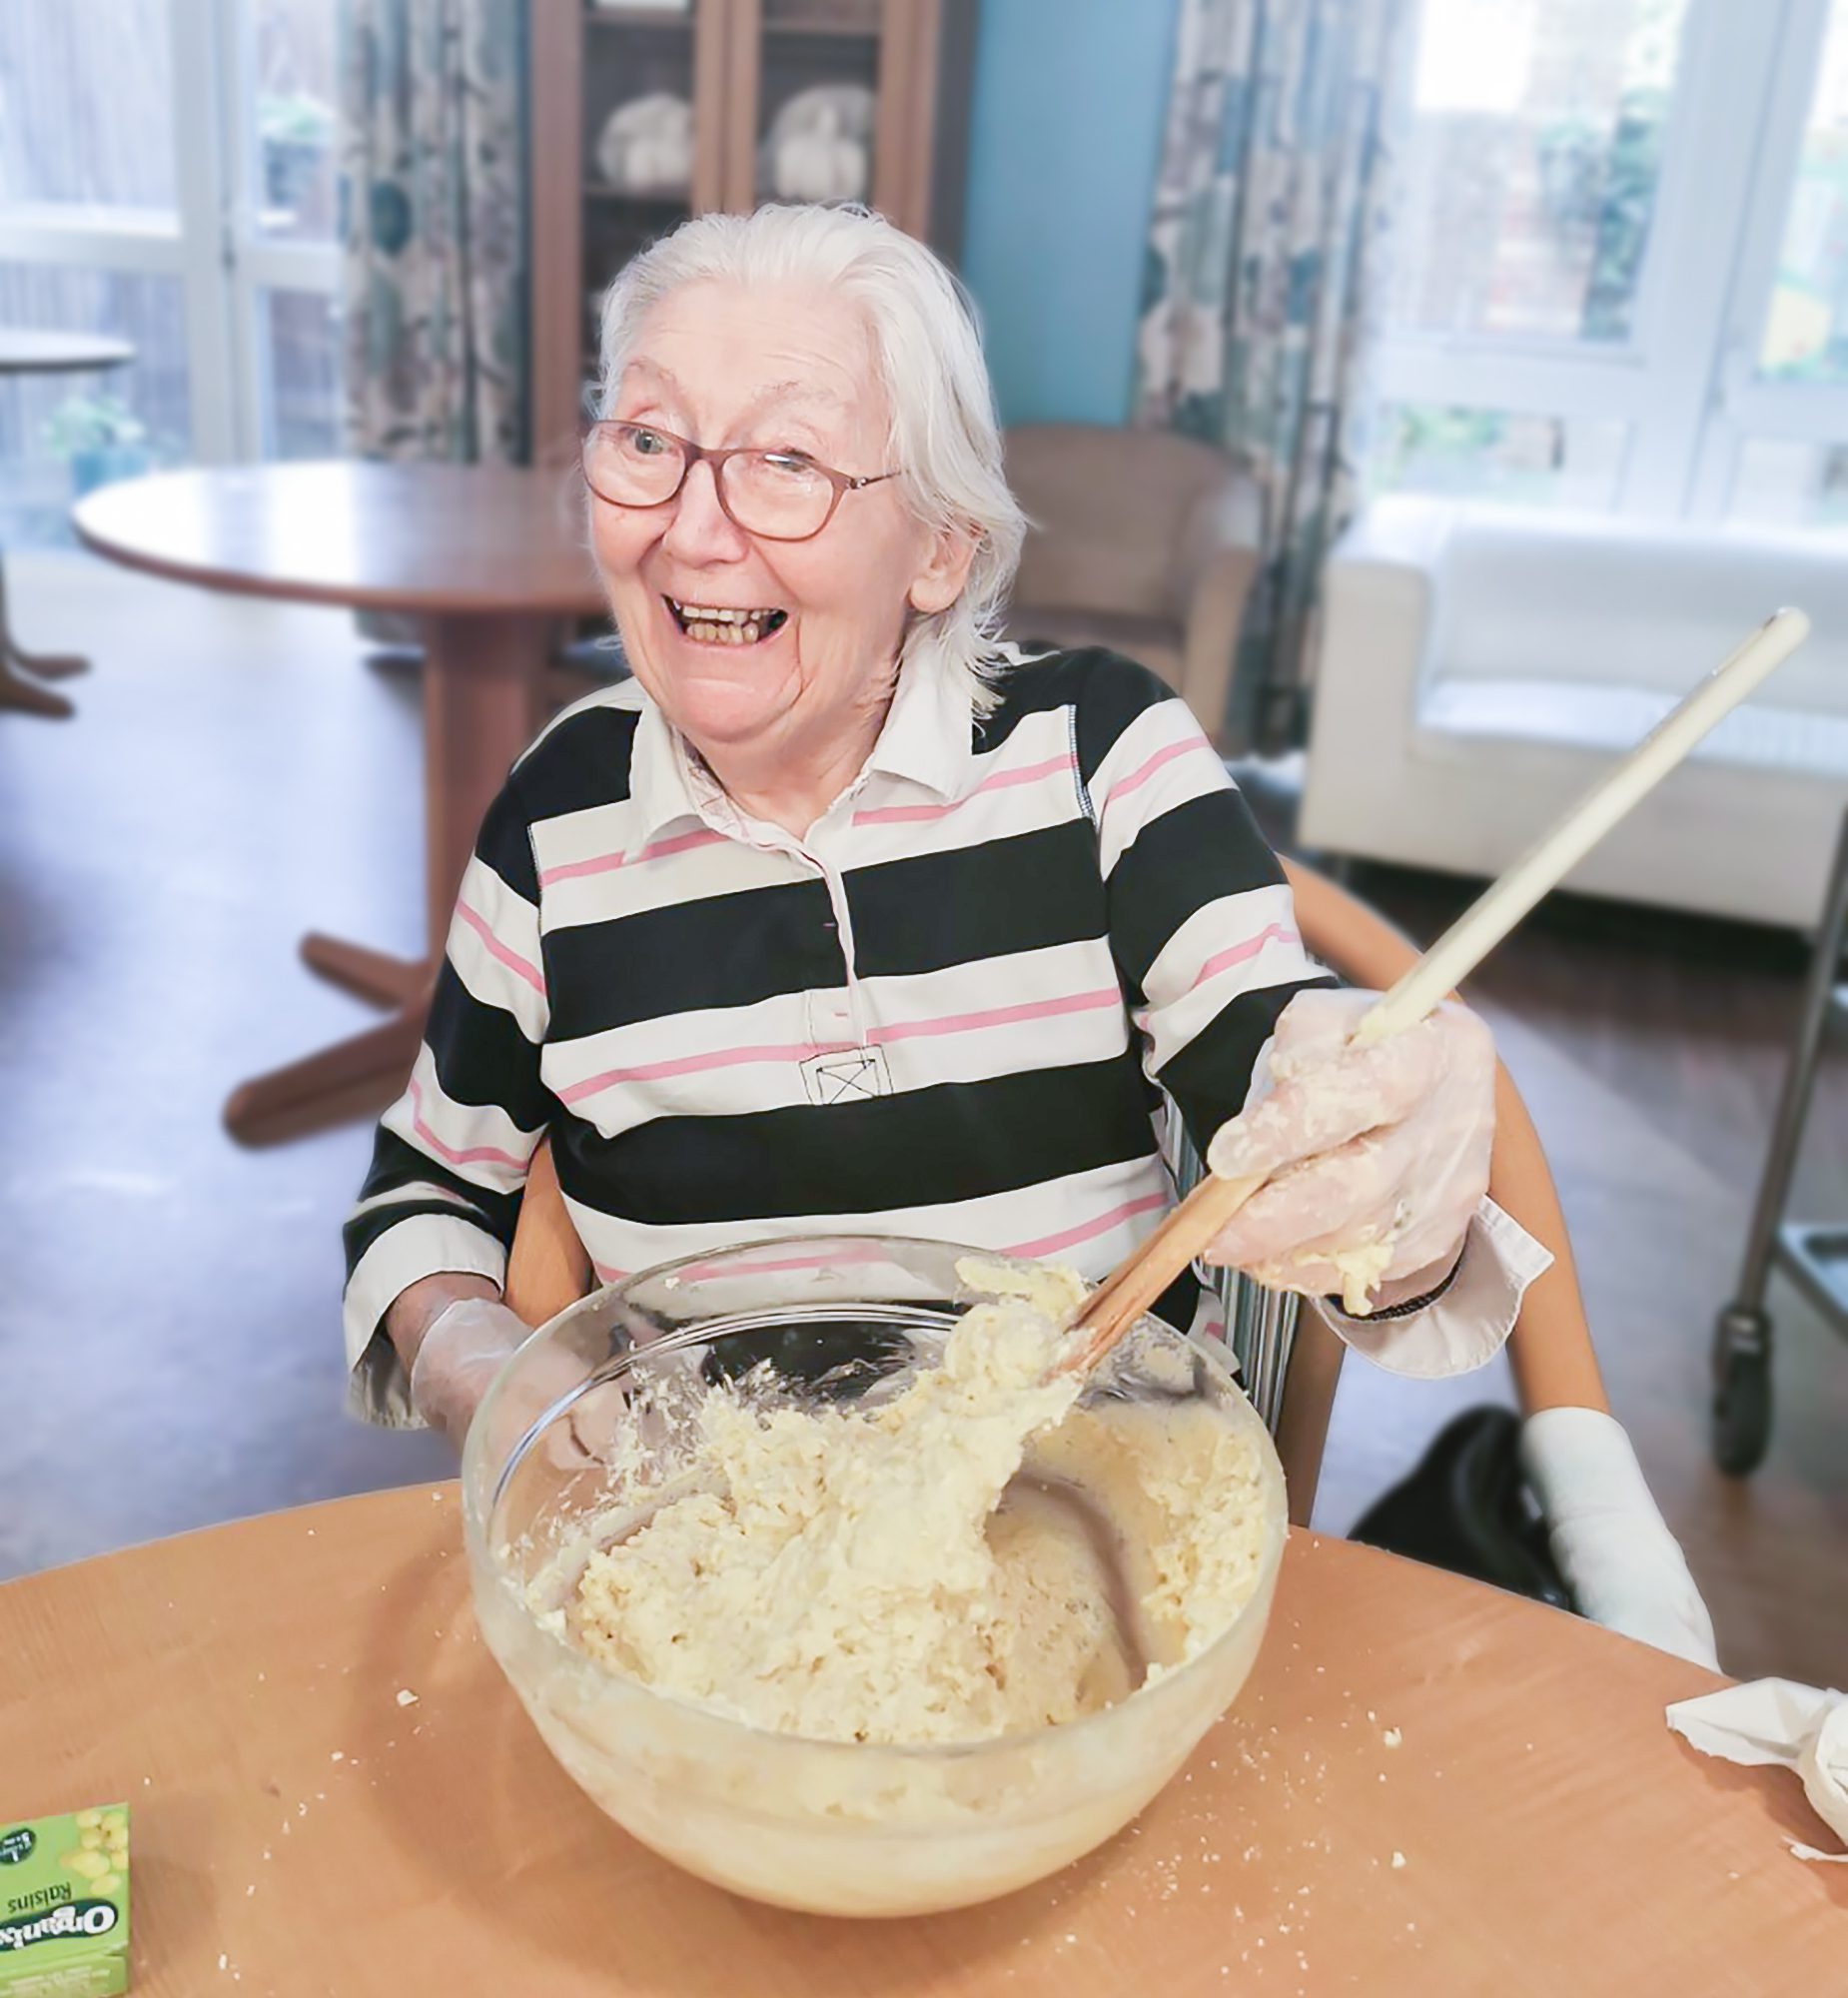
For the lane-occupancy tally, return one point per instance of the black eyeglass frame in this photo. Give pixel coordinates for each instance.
(843, 482)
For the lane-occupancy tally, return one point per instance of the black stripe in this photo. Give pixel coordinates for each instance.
(396, 1164)
(362, 1229)
(505, 844)
(1061, 680)
(722, 950)
(957, 1141)
(482, 1055)
(1209, 1077)
(584, 762)
(1116, 692)
(1029, 891)
(1176, 866)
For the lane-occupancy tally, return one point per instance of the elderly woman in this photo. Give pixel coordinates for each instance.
(840, 916)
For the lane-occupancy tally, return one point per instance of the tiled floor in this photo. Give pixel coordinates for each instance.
(169, 1343)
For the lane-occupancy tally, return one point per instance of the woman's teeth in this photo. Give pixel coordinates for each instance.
(713, 625)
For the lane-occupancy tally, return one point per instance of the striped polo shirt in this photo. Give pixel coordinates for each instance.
(951, 1009)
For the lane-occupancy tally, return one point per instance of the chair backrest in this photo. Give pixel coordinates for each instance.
(1112, 510)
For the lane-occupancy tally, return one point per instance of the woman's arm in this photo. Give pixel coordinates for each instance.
(437, 1214)
(1550, 1348)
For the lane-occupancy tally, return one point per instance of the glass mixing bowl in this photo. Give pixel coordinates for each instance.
(828, 1827)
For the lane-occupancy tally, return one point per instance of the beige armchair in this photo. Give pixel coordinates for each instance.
(1142, 541)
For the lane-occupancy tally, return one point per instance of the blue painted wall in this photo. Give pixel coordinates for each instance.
(1065, 135)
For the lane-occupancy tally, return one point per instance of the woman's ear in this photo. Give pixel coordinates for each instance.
(946, 568)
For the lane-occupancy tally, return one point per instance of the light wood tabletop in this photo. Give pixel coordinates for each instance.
(488, 559)
(1426, 1786)
(26, 350)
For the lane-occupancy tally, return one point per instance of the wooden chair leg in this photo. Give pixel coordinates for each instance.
(1309, 1380)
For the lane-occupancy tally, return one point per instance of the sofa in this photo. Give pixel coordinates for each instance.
(1476, 668)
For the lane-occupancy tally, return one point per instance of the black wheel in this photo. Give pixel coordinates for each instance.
(1741, 1421)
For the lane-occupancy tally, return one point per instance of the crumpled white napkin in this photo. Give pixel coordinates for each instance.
(1778, 1722)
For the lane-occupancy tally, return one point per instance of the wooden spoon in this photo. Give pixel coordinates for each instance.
(1129, 1290)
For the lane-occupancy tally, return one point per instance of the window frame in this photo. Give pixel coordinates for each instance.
(209, 241)
(1685, 381)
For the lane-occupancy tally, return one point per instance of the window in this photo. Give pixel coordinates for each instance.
(192, 216)
(1619, 275)
(1528, 180)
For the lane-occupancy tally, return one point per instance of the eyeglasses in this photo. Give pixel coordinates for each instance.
(780, 495)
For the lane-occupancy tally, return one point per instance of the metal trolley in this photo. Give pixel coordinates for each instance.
(1813, 1255)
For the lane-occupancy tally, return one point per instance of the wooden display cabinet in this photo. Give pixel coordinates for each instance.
(737, 63)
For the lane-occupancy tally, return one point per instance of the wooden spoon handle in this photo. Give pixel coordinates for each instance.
(1133, 1287)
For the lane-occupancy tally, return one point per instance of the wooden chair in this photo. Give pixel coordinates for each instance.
(1552, 1350)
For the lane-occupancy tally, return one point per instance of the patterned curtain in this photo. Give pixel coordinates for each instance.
(1260, 282)
(434, 195)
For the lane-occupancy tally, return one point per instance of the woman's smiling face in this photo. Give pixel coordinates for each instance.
(787, 370)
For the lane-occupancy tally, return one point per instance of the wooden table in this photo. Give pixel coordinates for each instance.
(486, 560)
(298, 1827)
(28, 351)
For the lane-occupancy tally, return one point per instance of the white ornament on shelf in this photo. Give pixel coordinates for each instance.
(646, 145)
(819, 146)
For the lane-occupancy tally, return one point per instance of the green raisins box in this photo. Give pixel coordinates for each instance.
(64, 1905)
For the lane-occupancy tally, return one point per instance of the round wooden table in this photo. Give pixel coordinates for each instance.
(486, 560)
(29, 351)
(300, 1824)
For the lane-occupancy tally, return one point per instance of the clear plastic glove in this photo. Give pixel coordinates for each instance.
(465, 1347)
(1613, 1547)
(1376, 1156)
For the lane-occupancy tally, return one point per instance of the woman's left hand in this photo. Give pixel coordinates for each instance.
(1375, 1157)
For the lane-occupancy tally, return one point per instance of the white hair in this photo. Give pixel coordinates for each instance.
(944, 439)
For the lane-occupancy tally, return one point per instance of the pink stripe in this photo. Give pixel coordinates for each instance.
(607, 1274)
(1050, 1244)
(605, 864)
(694, 1064)
(476, 1155)
(997, 1016)
(1124, 785)
(904, 1030)
(497, 949)
(765, 1266)
(1240, 953)
(1027, 773)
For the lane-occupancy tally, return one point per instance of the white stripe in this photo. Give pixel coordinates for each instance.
(647, 878)
(516, 927)
(1176, 1027)
(449, 1128)
(1194, 772)
(998, 1222)
(1181, 1007)
(1005, 810)
(413, 1190)
(422, 1244)
(961, 1001)
(977, 1046)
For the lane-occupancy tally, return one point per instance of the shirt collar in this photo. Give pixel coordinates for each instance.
(928, 734)
(926, 740)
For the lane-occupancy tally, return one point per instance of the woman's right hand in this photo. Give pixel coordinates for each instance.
(463, 1347)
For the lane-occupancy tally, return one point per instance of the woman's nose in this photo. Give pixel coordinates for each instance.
(701, 529)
